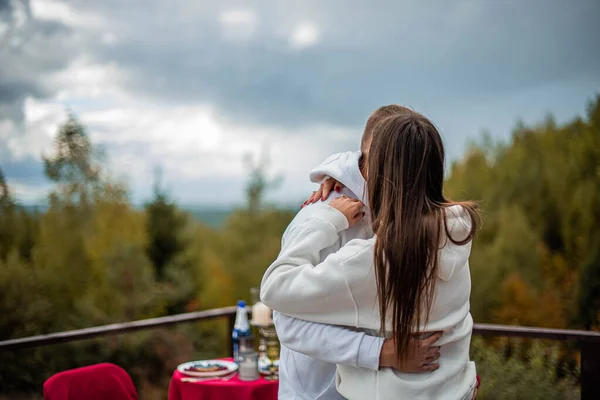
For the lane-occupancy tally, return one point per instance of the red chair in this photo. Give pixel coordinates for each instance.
(95, 382)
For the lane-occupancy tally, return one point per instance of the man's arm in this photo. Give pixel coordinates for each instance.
(339, 345)
(329, 343)
(300, 284)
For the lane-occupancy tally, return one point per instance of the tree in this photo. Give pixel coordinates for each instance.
(165, 226)
(7, 218)
(258, 182)
(540, 194)
(5, 195)
(251, 238)
(74, 165)
(18, 226)
(589, 295)
(121, 281)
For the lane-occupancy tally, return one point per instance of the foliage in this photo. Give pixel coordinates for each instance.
(258, 183)
(538, 246)
(165, 230)
(74, 165)
(511, 370)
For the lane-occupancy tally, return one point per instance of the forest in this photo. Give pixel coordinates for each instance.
(91, 257)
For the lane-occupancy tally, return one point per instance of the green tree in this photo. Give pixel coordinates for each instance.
(251, 238)
(540, 193)
(75, 165)
(258, 181)
(589, 296)
(7, 218)
(165, 225)
(5, 195)
(18, 226)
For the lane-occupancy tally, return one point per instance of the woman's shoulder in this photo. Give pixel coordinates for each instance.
(458, 222)
(456, 211)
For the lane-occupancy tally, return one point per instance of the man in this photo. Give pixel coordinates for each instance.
(310, 351)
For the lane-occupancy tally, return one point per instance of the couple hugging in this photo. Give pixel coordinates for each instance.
(371, 288)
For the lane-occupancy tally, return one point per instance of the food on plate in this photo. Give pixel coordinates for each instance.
(206, 368)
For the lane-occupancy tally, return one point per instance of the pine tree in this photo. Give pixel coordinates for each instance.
(165, 229)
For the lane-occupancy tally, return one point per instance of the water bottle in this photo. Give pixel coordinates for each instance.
(241, 335)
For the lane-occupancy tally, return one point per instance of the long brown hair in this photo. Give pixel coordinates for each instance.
(405, 177)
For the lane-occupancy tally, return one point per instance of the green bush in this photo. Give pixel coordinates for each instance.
(514, 370)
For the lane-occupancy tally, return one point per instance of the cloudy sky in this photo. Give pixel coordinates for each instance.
(193, 85)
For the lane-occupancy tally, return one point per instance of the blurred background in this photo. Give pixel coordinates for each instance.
(153, 152)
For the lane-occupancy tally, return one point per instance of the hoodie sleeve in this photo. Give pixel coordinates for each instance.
(330, 343)
(300, 285)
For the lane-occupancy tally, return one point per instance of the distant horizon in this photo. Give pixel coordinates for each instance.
(213, 216)
(184, 206)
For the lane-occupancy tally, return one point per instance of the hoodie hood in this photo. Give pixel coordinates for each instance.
(343, 167)
(454, 258)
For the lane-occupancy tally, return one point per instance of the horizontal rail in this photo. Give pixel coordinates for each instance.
(113, 329)
(536, 333)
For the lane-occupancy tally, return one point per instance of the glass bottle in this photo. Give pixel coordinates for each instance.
(241, 329)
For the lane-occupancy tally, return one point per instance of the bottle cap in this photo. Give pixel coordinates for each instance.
(241, 303)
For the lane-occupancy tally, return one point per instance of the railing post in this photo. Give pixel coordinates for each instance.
(230, 325)
(590, 370)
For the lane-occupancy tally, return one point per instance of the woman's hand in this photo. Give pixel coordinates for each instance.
(351, 208)
(421, 355)
(324, 191)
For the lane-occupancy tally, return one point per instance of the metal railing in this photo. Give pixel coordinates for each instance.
(588, 342)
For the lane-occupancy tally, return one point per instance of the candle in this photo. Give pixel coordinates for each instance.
(249, 367)
(261, 315)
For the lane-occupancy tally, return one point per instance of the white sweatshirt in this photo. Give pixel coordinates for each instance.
(341, 290)
(309, 350)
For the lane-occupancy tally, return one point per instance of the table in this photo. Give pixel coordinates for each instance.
(216, 389)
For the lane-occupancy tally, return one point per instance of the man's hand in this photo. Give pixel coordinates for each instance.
(324, 191)
(420, 357)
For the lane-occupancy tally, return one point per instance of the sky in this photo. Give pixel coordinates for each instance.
(193, 86)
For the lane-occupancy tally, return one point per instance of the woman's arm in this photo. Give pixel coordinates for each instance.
(299, 284)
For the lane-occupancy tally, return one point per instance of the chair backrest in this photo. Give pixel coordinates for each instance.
(94, 382)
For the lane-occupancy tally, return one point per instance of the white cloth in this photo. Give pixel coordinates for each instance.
(310, 350)
(339, 288)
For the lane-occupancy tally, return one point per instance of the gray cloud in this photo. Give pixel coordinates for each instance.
(368, 55)
(30, 49)
(5, 6)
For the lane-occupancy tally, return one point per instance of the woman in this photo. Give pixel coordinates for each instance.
(413, 275)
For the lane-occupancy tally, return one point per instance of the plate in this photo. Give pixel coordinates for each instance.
(207, 368)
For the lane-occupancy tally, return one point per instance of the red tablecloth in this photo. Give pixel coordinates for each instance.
(233, 389)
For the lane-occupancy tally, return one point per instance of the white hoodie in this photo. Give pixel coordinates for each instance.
(341, 290)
